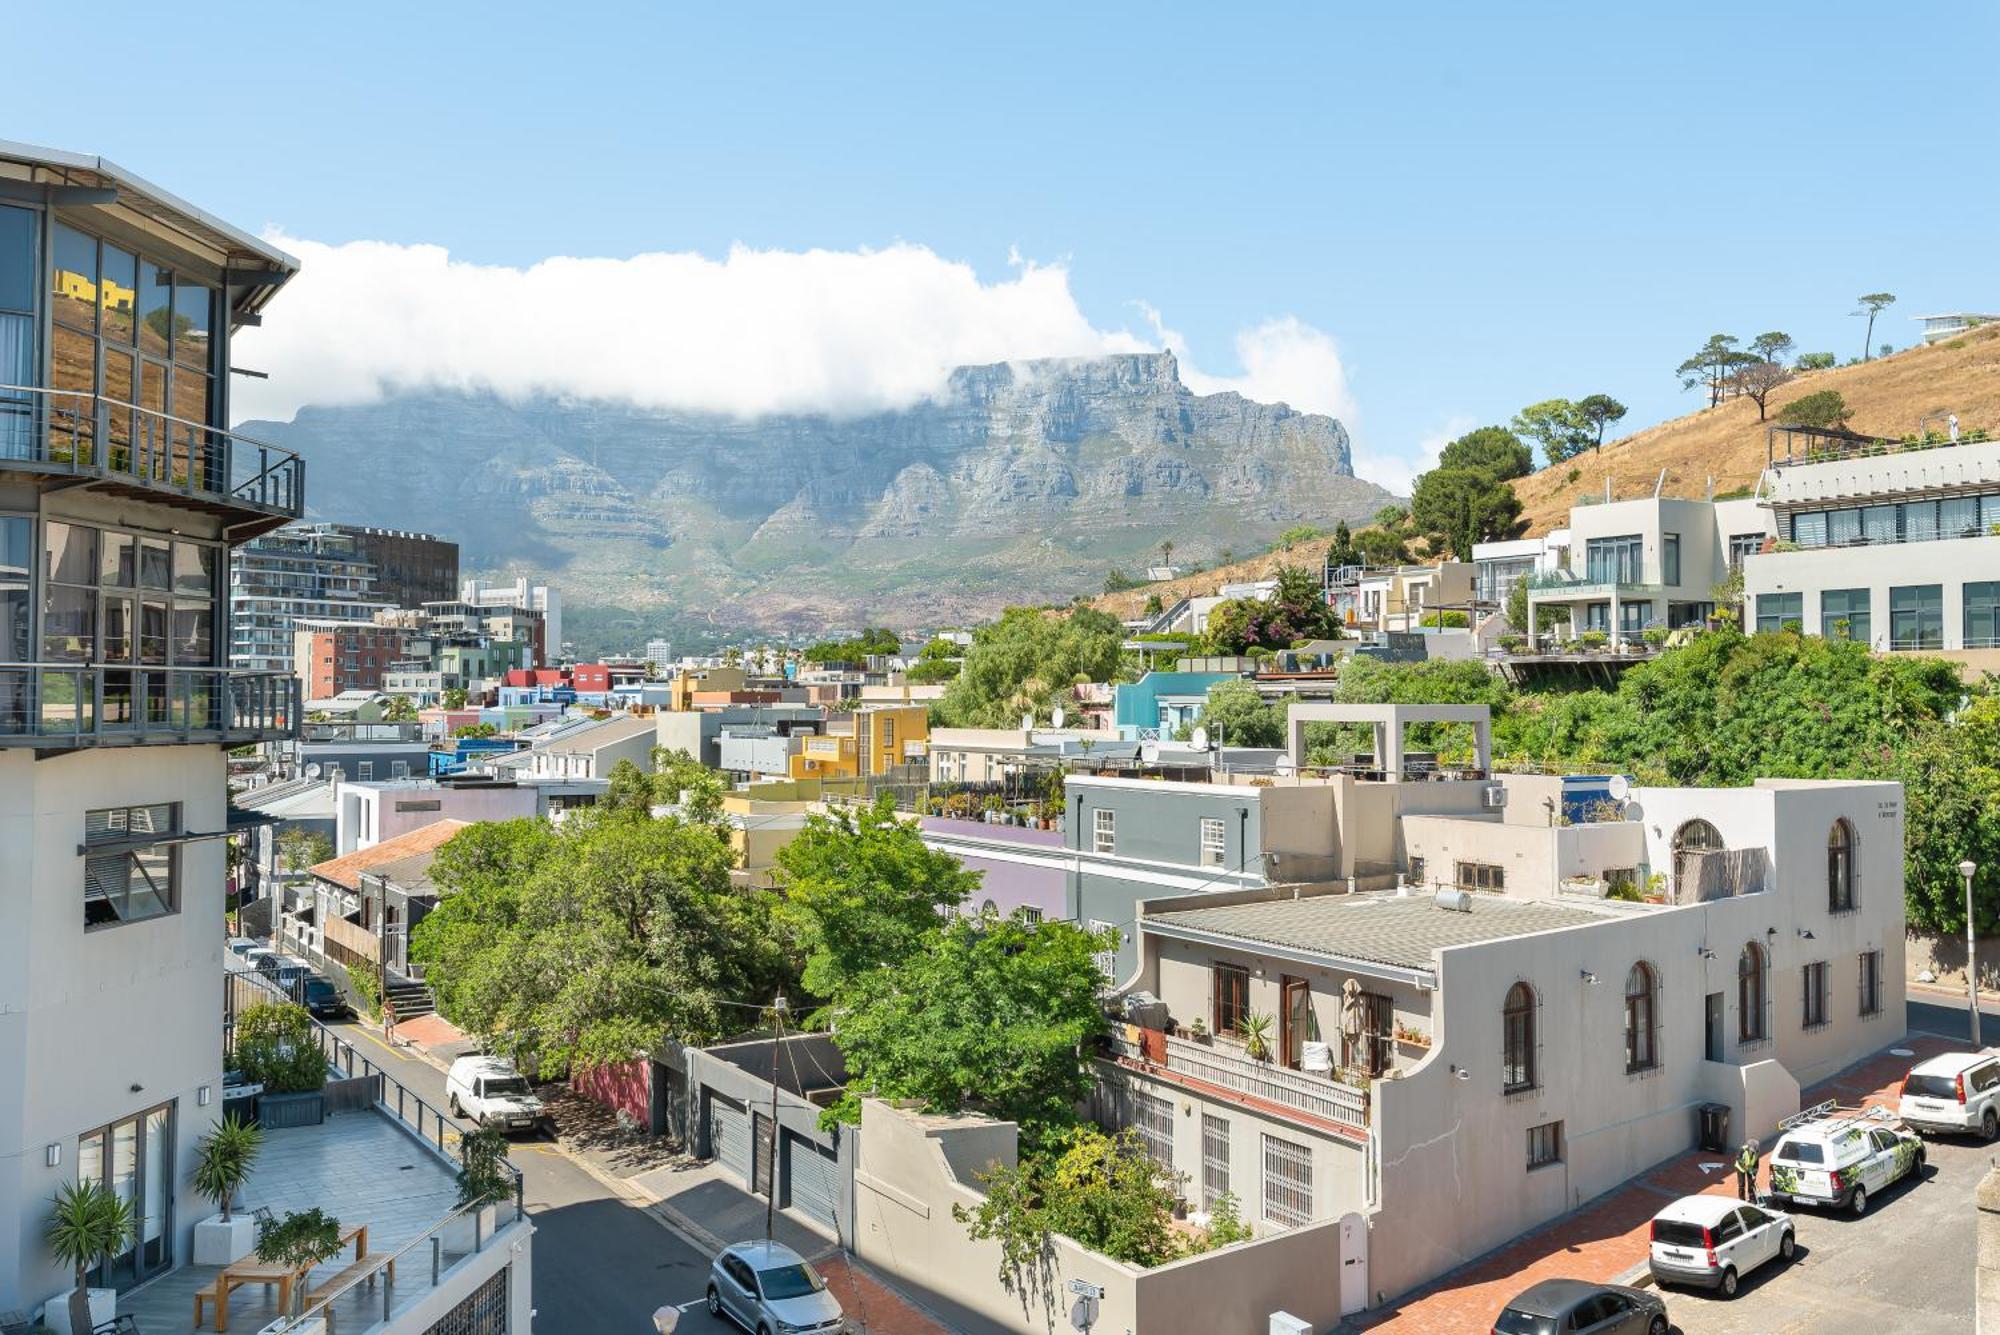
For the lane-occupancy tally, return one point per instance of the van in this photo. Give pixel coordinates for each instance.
(1958, 1092)
(489, 1091)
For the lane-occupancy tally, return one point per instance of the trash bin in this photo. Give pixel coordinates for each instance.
(1715, 1127)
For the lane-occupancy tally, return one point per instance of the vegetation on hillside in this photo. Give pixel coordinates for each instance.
(1027, 662)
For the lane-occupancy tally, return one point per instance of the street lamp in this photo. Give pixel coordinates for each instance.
(1965, 869)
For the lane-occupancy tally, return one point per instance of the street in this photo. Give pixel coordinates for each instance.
(601, 1264)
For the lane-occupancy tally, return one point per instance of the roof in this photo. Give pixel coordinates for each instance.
(761, 1253)
(1705, 1210)
(608, 732)
(1397, 930)
(411, 874)
(345, 871)
(1553, 1297)
(1950, 1063)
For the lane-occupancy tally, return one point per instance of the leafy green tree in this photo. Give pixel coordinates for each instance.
(1599, 411)
(693, 789)
(454, 697)
(1713, 364)
(876, 640)
(1557, 425)
(1381, 547)
(1465, 505)
(1295, 611)
(1299, 533)
(1236, 713)
(1872, 305)
(1774, 346)
(985, 1015)
(861, 892)
(400, 709)
(1154, 605)
(1342, 552)
(1822, 408)
(299, 848)
(1492, 450)
(1117, 581)
(1951, 806)
(1391, 516)
(1026, 662)
(1816, 361)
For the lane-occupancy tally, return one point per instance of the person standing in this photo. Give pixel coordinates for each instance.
(1746, 1171)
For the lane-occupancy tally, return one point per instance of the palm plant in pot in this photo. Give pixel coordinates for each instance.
(222, 1164)
(485, 1178)
(1256, 1031)
(89, 1223)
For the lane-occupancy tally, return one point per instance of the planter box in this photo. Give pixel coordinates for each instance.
(103, 1306)
(217, 1242)
(458, 1237)
(282, 1110)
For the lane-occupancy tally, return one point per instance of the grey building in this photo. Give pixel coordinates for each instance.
(410, 569)
(300, 571)
(699, 732)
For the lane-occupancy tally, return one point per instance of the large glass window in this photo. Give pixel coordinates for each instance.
(1809, 529)
(1916, 617)
(1776, 611)
(19, 257)
(134, 1158)
(1959, 517)
(127, 875)
(1844, 615)
(1614, 560)
(1743, 545)
(1670, 559)
(1878, 524)
(1982, 615)
(108, 597)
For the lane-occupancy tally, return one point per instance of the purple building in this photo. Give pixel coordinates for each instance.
(1023, 869)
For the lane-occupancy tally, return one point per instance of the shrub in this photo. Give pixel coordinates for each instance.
(483, 1176)
(367, 988)
(1594, 639)
(301, 1240)
(1654, 635)
(276, 1047)
(1446, 620)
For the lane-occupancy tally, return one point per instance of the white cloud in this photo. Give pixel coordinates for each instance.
(1284, 361)
(1397, 470)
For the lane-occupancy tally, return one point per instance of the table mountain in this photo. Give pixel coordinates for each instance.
(1021, 481)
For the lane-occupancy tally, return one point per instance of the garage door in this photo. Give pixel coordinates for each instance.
(810, 1177)
(729, 1136)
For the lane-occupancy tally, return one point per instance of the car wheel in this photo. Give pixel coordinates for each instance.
(1658, 1326)
(451, 1102)
(1860, 1202)
(1788, 1246)
(1989, 1124)
(1728, 1285)
(714, 1302)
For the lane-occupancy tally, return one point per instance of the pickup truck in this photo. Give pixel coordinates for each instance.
(489, 1091)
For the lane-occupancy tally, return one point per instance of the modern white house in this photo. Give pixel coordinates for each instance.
(1937, 328)
(1498, 566)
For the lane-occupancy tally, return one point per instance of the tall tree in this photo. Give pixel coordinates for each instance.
(1556, 424)
(1466, 505)
(1713, 364)
(1872, 305)
(1493, 450)
(1342, 552)
(1026, 661)
(1600, 411)
(1756, 380)
(1774, 346)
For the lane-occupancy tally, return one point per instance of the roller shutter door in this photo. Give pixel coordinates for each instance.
(810, 1178)
(729, 1136)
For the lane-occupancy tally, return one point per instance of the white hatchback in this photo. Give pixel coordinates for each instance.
(1711, 1242)
(1957, 1092)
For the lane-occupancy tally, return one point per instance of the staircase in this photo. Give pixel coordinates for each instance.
(408, 999)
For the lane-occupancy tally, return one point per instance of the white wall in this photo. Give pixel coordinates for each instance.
(1951, 562)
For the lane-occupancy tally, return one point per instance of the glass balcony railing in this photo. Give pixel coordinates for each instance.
(57, 706)
(66, 431)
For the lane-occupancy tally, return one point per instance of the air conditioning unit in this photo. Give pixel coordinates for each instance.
(1494, 797)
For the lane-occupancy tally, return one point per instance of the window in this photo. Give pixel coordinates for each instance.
(1982, 615)
(1780, 611)
(1743, 545)
(1153, 1119)
(1030, 917)
(1693, 841)
(1107, 960)
(1670, 558)
(1750, 994)
(399, 769)
(365, 769)
(1844, 615)
(1545, 1144)
(1211, 841)
(1814, 978)
(1287, 1182)
(1416, 871)
(1614, 560)
(1517, 1027)
(1214, 1159)
(1232, 996)
(1103, 831)
(1641, 1006)
(129, 875)
(1481, 876)
(1870, 983)
(1634, 617)
(1840, 868)
(1916, 617)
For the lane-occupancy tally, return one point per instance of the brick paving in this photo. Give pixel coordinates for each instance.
(1608, 1238)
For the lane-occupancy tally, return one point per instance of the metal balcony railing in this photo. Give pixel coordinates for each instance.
(92, 435)
(1225, 1068)
(57, 705)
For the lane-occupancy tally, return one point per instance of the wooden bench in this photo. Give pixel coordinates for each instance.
(367, 1263)
(236, 1276)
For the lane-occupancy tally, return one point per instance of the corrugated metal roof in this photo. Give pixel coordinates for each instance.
(1381, 929)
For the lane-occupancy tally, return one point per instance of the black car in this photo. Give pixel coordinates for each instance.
(1574, 1307)
(323, 999)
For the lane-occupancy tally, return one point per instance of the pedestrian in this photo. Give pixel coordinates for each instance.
(1746, 1171)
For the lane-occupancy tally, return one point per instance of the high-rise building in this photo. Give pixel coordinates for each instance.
(528, 596)
(659, 656)
(117, 701)
(300, 572)
(411, 569)
(335, 656)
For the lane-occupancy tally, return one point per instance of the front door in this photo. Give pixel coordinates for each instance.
(1712, 1026)
(1296, 1027)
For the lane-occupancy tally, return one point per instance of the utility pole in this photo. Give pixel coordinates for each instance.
(771, 1161)
(1966, 869)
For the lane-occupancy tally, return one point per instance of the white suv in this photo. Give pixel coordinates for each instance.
(492, 1093)
(1838, 1157)
(1712, 1241)
(1959, 1092)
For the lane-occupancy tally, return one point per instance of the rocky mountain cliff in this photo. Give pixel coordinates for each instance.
(1022, 481)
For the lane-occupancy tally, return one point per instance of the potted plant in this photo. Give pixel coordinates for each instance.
(485, 1179)
(276, 1048)
(88, 1224)
(1256, 1030)
(299, 1241)
(222, 1163)
(1198, 1031)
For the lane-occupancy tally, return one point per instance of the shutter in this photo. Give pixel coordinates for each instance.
(729, 1136)
(810, 1182)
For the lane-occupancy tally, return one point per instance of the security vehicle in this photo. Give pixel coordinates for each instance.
(1576, 1307)
(767, 1288)
(1958, 1092)
(1838, 1157)
(1711, 1242)
(491, 1092)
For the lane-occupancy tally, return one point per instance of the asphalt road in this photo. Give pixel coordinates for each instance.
(602, 1265)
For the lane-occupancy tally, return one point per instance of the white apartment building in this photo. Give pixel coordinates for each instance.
(1499, 566)
(523, 593)
(1653, 562)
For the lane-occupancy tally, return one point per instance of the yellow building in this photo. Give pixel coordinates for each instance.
(868, 743)
(686, 683)
(763, 818)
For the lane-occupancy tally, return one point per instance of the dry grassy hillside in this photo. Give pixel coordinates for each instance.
(1888, 396)
(1311, 555)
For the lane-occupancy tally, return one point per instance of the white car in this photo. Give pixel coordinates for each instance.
(1837, 1157)
(489, 1091)
(1958, 1092)
(1711, 1242)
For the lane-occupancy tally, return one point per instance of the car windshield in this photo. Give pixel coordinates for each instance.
(318, 987)
(505, 1086)
(789, 1281)
(1678, 1233)
(1799, 1151)
(1516, 1322)
(1931, 1087)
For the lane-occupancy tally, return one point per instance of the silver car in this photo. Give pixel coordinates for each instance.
(769, 1289)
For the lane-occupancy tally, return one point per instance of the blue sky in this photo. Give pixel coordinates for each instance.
(1480, 206)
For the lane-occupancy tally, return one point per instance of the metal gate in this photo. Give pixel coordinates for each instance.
(810, 1181)
(729, 1136)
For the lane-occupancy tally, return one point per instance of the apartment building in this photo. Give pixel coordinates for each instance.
(121, 498)
(411, 569)
(331, 657)
(1894, 545)
(300, 572)
(1498, 566)
(526, 595)
(868, 743)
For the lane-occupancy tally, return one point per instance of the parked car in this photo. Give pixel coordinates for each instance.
(1957, 1092)
(255, 956)
(240, 946)
(289, 974)
(1711, 1242)
(1576, 1307)
(325, 1000)
(1832, 1156)
(767, 1288)
(489, 1091)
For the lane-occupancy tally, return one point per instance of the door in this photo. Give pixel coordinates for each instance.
(729, 1136)
(810, 1178)
(134, 1158)
(760, 1155)
(1296, 1026)
(1762, 1232)
(740, 1294)
(1729, 1242)
(1712, 1026)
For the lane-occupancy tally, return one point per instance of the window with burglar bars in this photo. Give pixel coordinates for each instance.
(1287, 1182)
(1481, 876)
(1214, 1159)
(1545, 1144)
(1814, 976)
(126, 878)
(1153, 1119)
(1871, 982)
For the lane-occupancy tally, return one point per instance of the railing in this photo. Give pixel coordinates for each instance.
(1328, 1100)
(1567, 581)
(75, 432)
(89, 704)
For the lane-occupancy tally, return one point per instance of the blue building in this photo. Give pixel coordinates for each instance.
(1162, 701)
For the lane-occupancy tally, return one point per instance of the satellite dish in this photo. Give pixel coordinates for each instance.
(1200, 739)
(312, 770)
(1027, 723)
(1620, 787)
(1284, 766)
(1056, 719)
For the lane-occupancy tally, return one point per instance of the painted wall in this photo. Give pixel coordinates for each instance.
(1950, 563)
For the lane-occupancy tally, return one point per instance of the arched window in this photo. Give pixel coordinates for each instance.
(1840, 867)
(1692, 840)
(1750, 993)
(989, 910)
(1517, 1020)
(1641, 1009)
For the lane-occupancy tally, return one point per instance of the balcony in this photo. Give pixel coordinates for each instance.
(1220, 1067)
(64, 706)
(150, 455)
(1569, 584)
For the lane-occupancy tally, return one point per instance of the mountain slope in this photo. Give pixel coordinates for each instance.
(1021, 482)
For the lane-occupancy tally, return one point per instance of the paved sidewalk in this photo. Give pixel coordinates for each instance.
(1607, 1240)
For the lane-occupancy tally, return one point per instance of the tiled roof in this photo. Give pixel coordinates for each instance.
(1399, 930)
(345, 871)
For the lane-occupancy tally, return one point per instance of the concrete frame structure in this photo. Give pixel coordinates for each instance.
(1390, 722)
